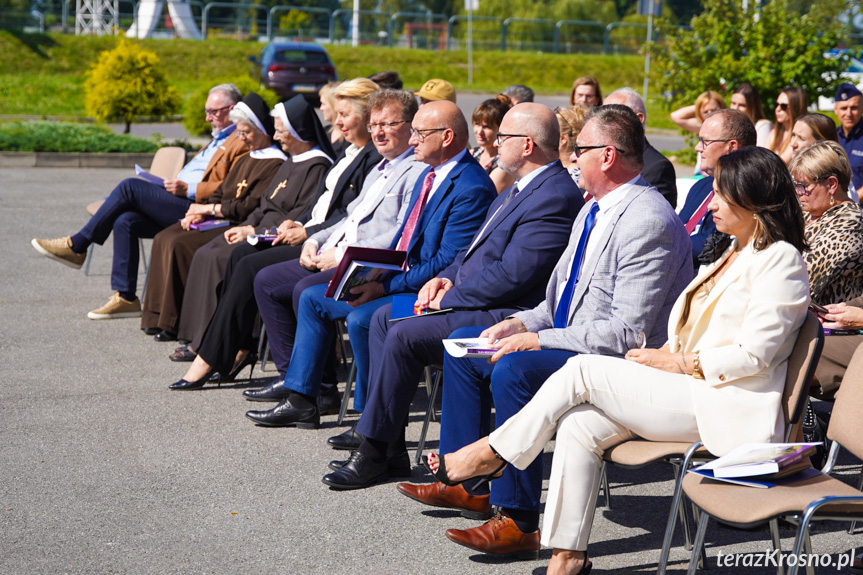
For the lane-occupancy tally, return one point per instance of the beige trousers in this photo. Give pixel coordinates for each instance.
(592, 403)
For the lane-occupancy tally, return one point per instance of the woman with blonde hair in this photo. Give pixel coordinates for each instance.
(328, 103)
(571, 121)
(691, 117)
(834, 224)
(790, 105)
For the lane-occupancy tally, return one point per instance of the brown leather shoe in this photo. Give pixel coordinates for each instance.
(500, 536)
(439, 495)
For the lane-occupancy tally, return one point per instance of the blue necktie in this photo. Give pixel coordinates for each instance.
(561, 315)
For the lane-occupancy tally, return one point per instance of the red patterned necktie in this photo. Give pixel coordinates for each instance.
(414, 216)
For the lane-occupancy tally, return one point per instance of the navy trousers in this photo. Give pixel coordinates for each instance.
(471, 386)
(399, 352)
(277, 291)
(134, 209)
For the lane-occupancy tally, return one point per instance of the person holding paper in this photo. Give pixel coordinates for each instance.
(371, 220)
(290, 194)
(718, 379)
(503, 269)
(447, 205)
(139, 209)
(237, 196)
(628, 259)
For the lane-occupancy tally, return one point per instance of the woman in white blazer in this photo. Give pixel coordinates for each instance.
(718, 379)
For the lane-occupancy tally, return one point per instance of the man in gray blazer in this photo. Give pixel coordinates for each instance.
(627, 261)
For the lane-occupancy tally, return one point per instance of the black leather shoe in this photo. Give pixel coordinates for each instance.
(273, 392)
(349, 440)
(286, 415)
(150, 330)
(359, 472)
(165, 335)
(198, 384)
(329, 404)
(397, 466)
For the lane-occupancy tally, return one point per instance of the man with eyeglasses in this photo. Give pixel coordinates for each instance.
(723, 132)
(139, 209)
(447, 204)
(626, 262)
(503, 269)
(850, 129)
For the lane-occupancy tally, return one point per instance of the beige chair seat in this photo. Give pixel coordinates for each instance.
(638, 452)
(745, 505)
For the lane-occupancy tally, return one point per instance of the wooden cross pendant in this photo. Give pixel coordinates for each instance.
(279, 188)
(242, 186)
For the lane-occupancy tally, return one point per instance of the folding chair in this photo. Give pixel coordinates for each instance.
(819, 497)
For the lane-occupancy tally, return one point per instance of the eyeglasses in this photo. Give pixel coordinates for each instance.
(704, 143)
(215, 111)
(501, 138)
(579, 150)
(243, 133)
(422, 134)
(783, 106)
(805, 189)
(278, 132)
(386, 126)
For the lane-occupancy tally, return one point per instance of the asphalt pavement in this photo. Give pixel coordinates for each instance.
(106, 471)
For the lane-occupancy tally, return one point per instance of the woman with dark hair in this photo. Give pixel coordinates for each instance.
(811, 128)
(718, 379)
(236, 198)
(288, 196)
(746, 99)
(486, 121)
(790, 105)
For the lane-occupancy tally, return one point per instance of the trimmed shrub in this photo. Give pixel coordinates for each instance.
(66, 137)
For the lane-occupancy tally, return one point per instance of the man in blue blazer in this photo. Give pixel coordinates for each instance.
(722, 132)
(627, 260)
(504, 269)
(447, 205)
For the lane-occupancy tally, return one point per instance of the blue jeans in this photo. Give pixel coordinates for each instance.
(134, 209)
(469, 388)
(315, 331)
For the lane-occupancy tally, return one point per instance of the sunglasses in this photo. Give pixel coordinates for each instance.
(783, 106)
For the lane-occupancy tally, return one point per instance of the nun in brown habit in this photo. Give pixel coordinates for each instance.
(237, 197)
(289, 195)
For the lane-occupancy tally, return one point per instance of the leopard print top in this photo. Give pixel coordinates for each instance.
(835, 255)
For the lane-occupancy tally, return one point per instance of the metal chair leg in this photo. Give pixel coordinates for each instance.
(697, 546)
(603, 481)
(777, 543)
(146, 267)
(430, 390)
(684, 520)
(429, 413)
(87, 261)
(346, 397)
(340, 341)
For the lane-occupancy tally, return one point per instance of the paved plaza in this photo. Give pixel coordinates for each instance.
(104, 470)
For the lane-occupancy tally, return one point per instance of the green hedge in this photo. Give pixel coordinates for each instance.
(65, 137)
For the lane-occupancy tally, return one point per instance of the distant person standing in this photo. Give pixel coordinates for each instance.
(850, 129)
(435, 90)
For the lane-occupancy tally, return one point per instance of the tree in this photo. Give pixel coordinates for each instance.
(778, 45)
(126, 82)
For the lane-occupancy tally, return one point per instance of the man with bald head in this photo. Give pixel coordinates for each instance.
(503, 269)
(657, 170)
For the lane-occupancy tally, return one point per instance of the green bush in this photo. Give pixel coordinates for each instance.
(193, 109)
(66, 137)
(127, 82)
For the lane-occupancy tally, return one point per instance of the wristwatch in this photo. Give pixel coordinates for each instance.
(213, 210)
(696, 367)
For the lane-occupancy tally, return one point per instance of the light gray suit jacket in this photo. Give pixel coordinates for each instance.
(379, 227)
(642, 262)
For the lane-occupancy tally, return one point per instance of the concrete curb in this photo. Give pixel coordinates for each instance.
(72, 160)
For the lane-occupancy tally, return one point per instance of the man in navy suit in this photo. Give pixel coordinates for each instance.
(503, 270)
(448, 204)
(722, 132)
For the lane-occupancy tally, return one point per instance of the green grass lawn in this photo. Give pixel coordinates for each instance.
(44, 74)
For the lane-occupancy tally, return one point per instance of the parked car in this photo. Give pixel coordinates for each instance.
(290, 68)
